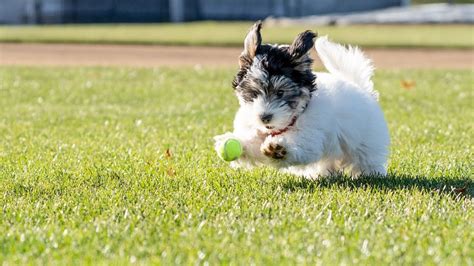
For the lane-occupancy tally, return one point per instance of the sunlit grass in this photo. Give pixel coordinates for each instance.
(85, 176)
(232, 34)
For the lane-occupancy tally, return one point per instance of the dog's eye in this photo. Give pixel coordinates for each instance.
(280, 93)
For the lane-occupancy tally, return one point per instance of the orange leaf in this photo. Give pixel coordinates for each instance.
(407, 84)
(168, 153)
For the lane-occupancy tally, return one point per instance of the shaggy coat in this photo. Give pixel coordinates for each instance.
(303, 122)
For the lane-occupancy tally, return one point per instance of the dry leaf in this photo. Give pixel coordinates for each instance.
(171, 171)
(408, 84)
(168, 153)
(460, 190)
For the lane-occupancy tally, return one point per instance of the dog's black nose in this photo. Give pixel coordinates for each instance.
(266, 118)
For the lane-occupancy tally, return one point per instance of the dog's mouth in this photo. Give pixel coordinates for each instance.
(269, 128)
(273, 131)
(266, 130)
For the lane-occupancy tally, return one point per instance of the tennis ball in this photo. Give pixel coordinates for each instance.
(230, 150)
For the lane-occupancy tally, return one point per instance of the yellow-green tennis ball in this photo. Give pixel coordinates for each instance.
(230, 150)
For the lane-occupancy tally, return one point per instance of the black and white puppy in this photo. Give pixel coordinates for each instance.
(306, 123)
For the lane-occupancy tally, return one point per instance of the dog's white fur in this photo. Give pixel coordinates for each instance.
(342, 129)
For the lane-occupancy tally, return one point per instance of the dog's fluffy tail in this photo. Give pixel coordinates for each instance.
(348, 63)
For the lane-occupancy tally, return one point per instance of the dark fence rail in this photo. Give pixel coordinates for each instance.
(93, 11)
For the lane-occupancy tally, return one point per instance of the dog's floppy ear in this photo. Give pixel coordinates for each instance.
(251, 44)
(302, 44)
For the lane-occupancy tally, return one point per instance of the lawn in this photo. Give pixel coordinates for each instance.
(115, 165)
(232, 34)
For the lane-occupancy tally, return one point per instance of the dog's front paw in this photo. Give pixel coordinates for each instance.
(273, 150)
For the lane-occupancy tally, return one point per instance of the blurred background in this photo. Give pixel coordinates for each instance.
(394, 33)
(110, 11)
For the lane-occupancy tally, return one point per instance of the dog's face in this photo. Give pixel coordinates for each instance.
(275, 82)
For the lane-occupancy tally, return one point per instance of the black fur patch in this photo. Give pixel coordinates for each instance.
(251, 88)
(302, 44)
(276, 61)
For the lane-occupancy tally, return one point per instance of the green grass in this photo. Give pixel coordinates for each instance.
(85, 176)
(233, 33)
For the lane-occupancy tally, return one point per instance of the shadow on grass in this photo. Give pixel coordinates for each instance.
(456, 187)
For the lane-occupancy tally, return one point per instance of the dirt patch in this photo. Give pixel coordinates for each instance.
(149, 56)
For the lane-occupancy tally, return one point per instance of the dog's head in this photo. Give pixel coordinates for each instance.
(275, 82)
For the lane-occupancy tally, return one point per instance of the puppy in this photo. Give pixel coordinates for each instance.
(306, 123)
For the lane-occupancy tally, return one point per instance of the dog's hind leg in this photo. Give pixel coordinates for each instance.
(328, 167)
(367, 163)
